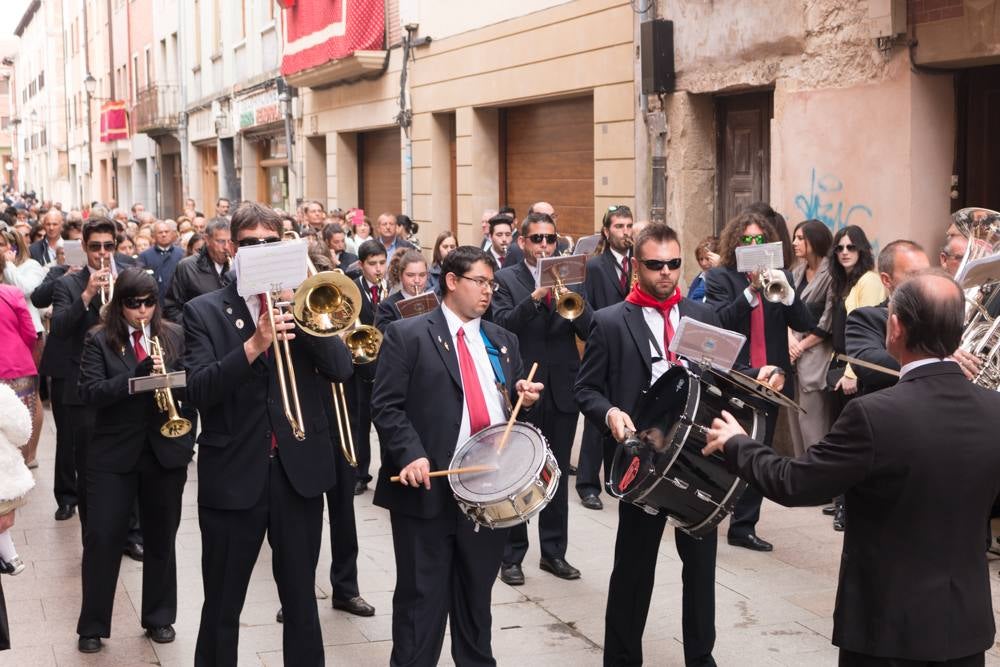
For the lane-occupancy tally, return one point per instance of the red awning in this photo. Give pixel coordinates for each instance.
(114, 121)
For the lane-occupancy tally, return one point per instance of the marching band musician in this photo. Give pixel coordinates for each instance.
(254, 477)
(129, 459)
(549, 338)
(435, 386)
(412, 282)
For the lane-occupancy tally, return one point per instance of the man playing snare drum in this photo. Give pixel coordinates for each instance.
(436, 385)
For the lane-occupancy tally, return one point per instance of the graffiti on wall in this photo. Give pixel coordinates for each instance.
(827, 202)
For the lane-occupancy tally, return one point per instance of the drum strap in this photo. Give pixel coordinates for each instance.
(656, 343)
(494, 354)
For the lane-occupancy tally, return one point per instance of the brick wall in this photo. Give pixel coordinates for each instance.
(926, 11)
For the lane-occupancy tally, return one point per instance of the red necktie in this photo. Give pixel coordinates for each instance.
(624, 277)
(140, 352)
(758, 344)
(375, 295)
(263, 309)
(503, 259)
(643, 300)
(479, 416)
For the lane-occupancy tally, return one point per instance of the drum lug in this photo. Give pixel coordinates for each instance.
(705, 497)
(736, 403)
(712, 389)
(680, 483)
(649, 510)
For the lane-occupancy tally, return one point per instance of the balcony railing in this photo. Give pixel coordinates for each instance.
(157, 109)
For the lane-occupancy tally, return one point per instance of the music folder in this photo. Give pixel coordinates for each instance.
(417, 305)
(706, 344)
(571, 270)
(156, 381)
(754, 257)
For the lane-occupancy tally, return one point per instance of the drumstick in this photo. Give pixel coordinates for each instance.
(513, 415)
(867, 364)
(453, 471)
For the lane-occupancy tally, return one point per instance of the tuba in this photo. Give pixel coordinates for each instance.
(981, 336)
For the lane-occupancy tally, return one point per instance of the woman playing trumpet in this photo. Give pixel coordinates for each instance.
(130, 458)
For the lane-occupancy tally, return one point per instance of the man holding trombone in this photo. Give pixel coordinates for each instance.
(249, 370)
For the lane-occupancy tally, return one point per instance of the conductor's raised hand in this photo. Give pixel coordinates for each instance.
(416, 472)
(723, 428)
(529, 392)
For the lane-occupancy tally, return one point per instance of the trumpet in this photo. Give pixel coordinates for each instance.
(774, 285)
(569, 304)
(107, 287)
(175, 426)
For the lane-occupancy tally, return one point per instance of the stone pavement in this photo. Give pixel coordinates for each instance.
(772, 609)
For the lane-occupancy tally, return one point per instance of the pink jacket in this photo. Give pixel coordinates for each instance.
(17, 335)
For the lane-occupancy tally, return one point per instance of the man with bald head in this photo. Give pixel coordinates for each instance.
(562, 245)
(920, 468)
(44, 249)
(163, 256)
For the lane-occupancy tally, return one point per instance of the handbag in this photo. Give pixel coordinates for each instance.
(834, 373)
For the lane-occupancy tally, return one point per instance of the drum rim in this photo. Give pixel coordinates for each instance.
(534, 470)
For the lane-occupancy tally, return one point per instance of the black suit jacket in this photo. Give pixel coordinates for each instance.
(193, 277)
(544, 335)
(865, 339)
(346, 259)
(55, 356)
(417, 405)
(240, 404)
(602, 287)
(162, 265)
(920, 467)
(71, 321)
(39, 251)
(126, 425)
(368, 308)
(724, 293)
(386, 313)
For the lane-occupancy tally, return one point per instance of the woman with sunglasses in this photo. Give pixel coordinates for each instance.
(853, 283)
(129, 458)
(738, 300)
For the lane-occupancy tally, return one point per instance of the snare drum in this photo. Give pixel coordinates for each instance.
(662, 469)
(525, 479)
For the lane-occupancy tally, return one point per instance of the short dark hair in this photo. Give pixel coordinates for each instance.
(817, 234)
(500, 220)
(99, 226)
(251, 214)
(220, 200)
(616, 211)
(330, 229)
(934, 322)
(69, 226)
(508, 210)
(887, 256)
(370, 248)
(315, 202)
(658, 232)
(535, 218)
(460, 260)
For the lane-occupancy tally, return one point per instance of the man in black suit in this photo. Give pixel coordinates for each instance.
(514, 252)
(500, 240)
(388, 231)
(336, 241)
(412, 282)
(548, 338)
(203, 273)
(608, 282)
(906, 596)
(163, 257)
(76, 304)
(371, 282)
(738, 301)
(255, 476)
(44, 249)
(445, 568)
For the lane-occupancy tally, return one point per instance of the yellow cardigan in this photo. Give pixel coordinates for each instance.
(868, 291)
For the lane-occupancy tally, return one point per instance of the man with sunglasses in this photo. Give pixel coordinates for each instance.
(549, 339)
(76, 308)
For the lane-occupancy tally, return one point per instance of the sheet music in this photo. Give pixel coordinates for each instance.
(269, 266)
(704, 343)
(571, 269)
(753, 257)
(417, 305)
(73, 252)
(979, 271)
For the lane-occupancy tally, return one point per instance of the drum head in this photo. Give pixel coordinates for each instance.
(521, 459)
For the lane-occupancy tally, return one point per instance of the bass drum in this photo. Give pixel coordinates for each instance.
(662, 470)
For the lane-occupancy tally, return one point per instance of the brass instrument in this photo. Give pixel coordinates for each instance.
(569, 304)
(175, 426)
(108, 287)
(569, 244)
(774, 285)
(981, 336)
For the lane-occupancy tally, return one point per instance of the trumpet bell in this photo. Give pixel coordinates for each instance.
(175, 427)
(569, 305)
(326, 304)
(364, 343)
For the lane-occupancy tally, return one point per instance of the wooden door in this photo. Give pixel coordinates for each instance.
(547, 154)
(743, 124)
(979, 138)
(380, 187)
(209, 177)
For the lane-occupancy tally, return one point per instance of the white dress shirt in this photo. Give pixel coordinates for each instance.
(487, 380)
(144, 341)
(913, 365)
(654, 320)
(618, 260)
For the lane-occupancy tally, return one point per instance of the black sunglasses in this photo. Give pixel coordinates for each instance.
(96, 246)
(243, 243)
(135, 302)
(658, 264)
(850, 247)
(747, 239)
(548, 238)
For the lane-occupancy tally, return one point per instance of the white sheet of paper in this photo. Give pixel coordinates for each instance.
(700, 343)
(752, 257)
(73, 252)
(979, 271)
(270, 266)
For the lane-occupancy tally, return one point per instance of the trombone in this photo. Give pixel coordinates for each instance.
(175, 426)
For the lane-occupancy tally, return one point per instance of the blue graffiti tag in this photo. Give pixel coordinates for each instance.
(825, 202)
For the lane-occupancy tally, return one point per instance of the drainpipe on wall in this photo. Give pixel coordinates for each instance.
(182, 117)
(656, 126)
(405, 117)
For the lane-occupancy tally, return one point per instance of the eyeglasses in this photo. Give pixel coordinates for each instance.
(483, 283)
(243, 243)
(850, 247)
(658, 264)
(97, 246)
(136, 302)
(748, 239)
(548, 238)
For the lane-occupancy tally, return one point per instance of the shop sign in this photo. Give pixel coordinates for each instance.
(258, 109)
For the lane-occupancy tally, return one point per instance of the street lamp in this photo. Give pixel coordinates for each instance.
(90, 84)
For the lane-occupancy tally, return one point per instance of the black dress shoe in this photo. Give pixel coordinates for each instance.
(355, 605)
(162, 635)
(840, 520)
(751, 542)
(512, 575)
(89, 644)
(134, 551)
(559, 567)
(280, 618)
(64, 512)
(592, 502)
(829, 510)
(360, 487)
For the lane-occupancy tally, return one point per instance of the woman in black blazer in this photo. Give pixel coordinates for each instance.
(129, 459)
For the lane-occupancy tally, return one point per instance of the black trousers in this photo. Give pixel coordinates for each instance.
(444, 570)
(631, 589)
(851, 659)
(110, 497)
(588, 466)
(559, 429)
(746, 514)
(81, 423)
(231, 541)
(343, 532)
(359, 400)
(64, 484)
